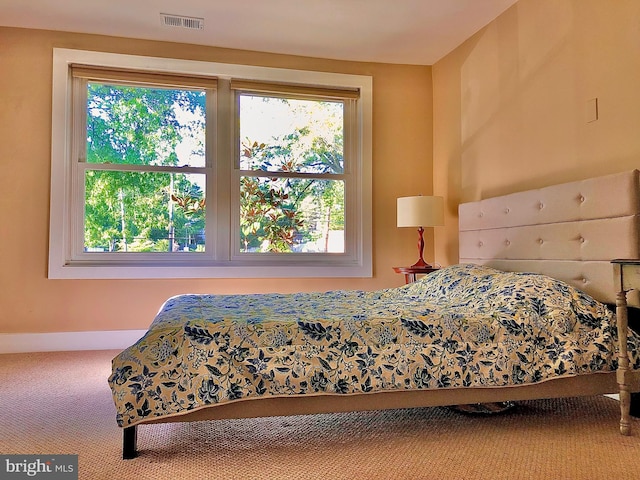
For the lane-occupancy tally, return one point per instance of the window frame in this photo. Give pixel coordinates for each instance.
(348, 176)
(222, 258)
(80, 77)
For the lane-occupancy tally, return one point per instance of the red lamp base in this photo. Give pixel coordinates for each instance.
(421, 263)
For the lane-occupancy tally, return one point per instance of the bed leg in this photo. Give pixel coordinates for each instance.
(623, 363)
(129, 441)
(635, 405)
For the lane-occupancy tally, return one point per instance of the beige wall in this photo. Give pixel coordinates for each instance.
(510, 114)
(510, 104)
(29, 302)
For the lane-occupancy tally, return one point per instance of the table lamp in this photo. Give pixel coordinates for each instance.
(420, 211)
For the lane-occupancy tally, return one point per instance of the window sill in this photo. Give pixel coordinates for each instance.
(93, 271)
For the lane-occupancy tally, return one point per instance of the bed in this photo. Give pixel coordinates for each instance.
(516, 319)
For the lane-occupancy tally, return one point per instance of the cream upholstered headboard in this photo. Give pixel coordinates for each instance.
(569, 231)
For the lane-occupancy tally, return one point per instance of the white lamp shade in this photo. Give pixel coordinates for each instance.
(420, 211)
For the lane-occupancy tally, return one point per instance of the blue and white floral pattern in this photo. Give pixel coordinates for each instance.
(462, 326)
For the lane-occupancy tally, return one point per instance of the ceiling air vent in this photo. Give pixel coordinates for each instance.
(181, 21)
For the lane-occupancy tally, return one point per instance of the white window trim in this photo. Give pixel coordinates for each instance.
(296, 265)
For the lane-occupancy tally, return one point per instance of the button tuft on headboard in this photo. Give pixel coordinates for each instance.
(569, 231)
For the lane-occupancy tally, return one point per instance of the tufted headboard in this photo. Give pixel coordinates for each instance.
(569, 231)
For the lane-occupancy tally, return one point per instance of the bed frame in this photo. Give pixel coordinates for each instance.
(570, 231)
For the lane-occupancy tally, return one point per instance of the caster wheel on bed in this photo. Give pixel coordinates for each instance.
(483, 408)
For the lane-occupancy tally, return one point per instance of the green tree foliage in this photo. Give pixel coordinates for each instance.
(131, 211)
(268, 219)
(277, 212)
(148, 211)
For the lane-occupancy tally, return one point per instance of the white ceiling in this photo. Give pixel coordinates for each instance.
(416, 32)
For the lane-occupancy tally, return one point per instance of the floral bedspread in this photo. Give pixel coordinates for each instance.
(462, 326)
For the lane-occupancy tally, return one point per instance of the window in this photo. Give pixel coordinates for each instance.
(173, 168)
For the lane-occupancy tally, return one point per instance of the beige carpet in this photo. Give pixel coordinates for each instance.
(60, 403)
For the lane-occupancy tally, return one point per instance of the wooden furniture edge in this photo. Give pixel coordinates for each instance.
(626, 277)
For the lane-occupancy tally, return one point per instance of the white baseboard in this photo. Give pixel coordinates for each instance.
(66, 341)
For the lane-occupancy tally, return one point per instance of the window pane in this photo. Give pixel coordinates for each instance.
(144, 212)
(145, 126)
(288, 215)
(288, 135)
